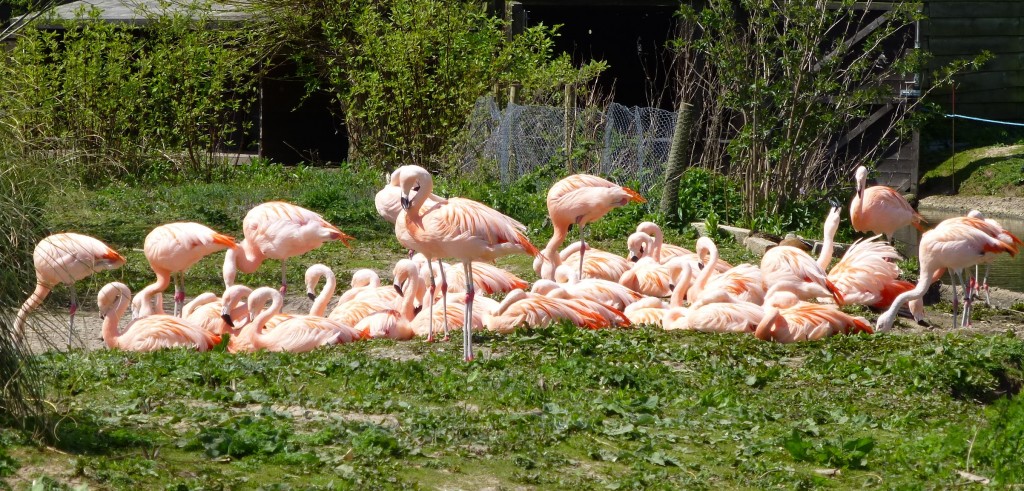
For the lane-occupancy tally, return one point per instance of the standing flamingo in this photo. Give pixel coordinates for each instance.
(580, 199)
(1004, 236)
(149, 333)
(956, 243)
(461, 228)
(277, 230)
(388, 199)
(64, 258)
(175, 247)
(880, 209)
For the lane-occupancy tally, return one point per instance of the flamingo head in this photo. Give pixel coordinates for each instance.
(861, 175)
(832, 222)
(111, 297)
(414, 180)
(639, 245)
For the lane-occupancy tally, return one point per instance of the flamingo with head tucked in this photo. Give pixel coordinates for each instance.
(578, 200)
(788, 319)
(64, 258)
(460, 228)
(277, 230)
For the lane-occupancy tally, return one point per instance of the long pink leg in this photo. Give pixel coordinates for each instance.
(467, 326)
(284, 278)
(583, 244)
(179, 293)
(444, 298)
(433, 288)
(72, 309)
(956, 300)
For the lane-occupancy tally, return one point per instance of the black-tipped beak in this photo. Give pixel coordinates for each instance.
(860, 192)
(102, 316)
(634, 259)
(700, 266)
(311, 295)
(227, 320)
(405, 203)
(398, 288)
(671, 286)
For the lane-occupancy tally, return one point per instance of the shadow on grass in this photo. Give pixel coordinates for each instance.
(946, 185)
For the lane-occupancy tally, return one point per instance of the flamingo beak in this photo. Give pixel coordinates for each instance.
(405, 203)
(398, 288)
(634, 259)
(228, 320)
(311, 295)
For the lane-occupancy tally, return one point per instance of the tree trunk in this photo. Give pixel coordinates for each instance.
(676, 162)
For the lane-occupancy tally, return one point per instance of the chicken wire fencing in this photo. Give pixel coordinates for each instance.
(630, 144)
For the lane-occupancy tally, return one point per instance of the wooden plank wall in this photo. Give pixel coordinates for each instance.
(963, 28)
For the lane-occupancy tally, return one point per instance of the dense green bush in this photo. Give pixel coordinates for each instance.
(102, 99)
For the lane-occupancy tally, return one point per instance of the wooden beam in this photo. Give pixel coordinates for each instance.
(863, 126)
(856, 38)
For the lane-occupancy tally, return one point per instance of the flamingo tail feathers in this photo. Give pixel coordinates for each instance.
(634, 196)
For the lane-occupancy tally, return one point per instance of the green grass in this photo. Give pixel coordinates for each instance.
(986, 171)
(558, 408)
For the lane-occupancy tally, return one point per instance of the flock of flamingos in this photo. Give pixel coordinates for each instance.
(790, 296)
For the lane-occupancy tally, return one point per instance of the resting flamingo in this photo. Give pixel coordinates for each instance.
(277, 230)
(392, 323)
(662, 252)
(297, 334)
(461, 228)
(717, 311)
(64, 258)
(522, 309)
(880, 209)
(363, 280)
(597, 264)
(580, 199)
(956, 243)
(744, 282)
(206, 311)
(149, 333)
(788, 264)
(610, 315)
(652, 310)
(173, 248)
(788, 319)
(596, 289)
(867, 274)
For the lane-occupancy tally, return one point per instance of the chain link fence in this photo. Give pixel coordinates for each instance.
(631, 144)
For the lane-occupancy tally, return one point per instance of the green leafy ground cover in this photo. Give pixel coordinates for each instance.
(986, 171)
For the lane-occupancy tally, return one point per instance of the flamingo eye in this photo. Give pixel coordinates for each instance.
(417, 188)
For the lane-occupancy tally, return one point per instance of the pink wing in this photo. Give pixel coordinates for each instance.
(69, 257)
(163, 331)
(282, 230)
(177, 246)
(740, 317)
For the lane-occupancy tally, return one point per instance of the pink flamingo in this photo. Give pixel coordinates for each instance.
(277, 230)
(312, 278)
(206, 311)
(652, 310)
(603, 291)
(64, 258)
(580, 199)
(486, 277)
(454, 314)
(641, 244)
(867, 274)
(648, 276)
(662, 252)
(788, 264)
(744, 282)
(363, 281)
(522, 309)
(397, 324)
(610, 315)
(787, 319)
(880, 209)
(597, 264)
(174, 248)
(717, 311)
(461, 228)
(149, 333)
(298, 334)
(1004, 236)
(388, 200)
(956, 243)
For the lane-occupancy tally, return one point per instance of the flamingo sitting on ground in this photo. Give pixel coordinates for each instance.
(956, 243)
(206, 311)
(64, 258)
(606, 292)
(880, 209)
(610, 315)
(461, 228)
(744, 282)
(298, 334)
(597, 264)
(149, 333)
(522, 309)
(867, 274)
(788, 264)
(652, 310)
(580, 199)
(397, 323)
(277, 230)
(717, 311)
(175, 247)
(363, 280)
(787, 319)
(662, 252)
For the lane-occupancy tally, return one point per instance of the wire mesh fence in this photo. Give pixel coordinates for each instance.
(629, 143)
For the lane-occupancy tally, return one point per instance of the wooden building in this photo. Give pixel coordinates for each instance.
(963, 28)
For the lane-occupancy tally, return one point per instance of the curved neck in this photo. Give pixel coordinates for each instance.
(658, 241)
(324, 297)
(110, 322)
(764, 328)
(244, 257)
(276, 303)
(705, 274)
(513, 297)
(887, 318)
(203, 299)
(682, 285)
